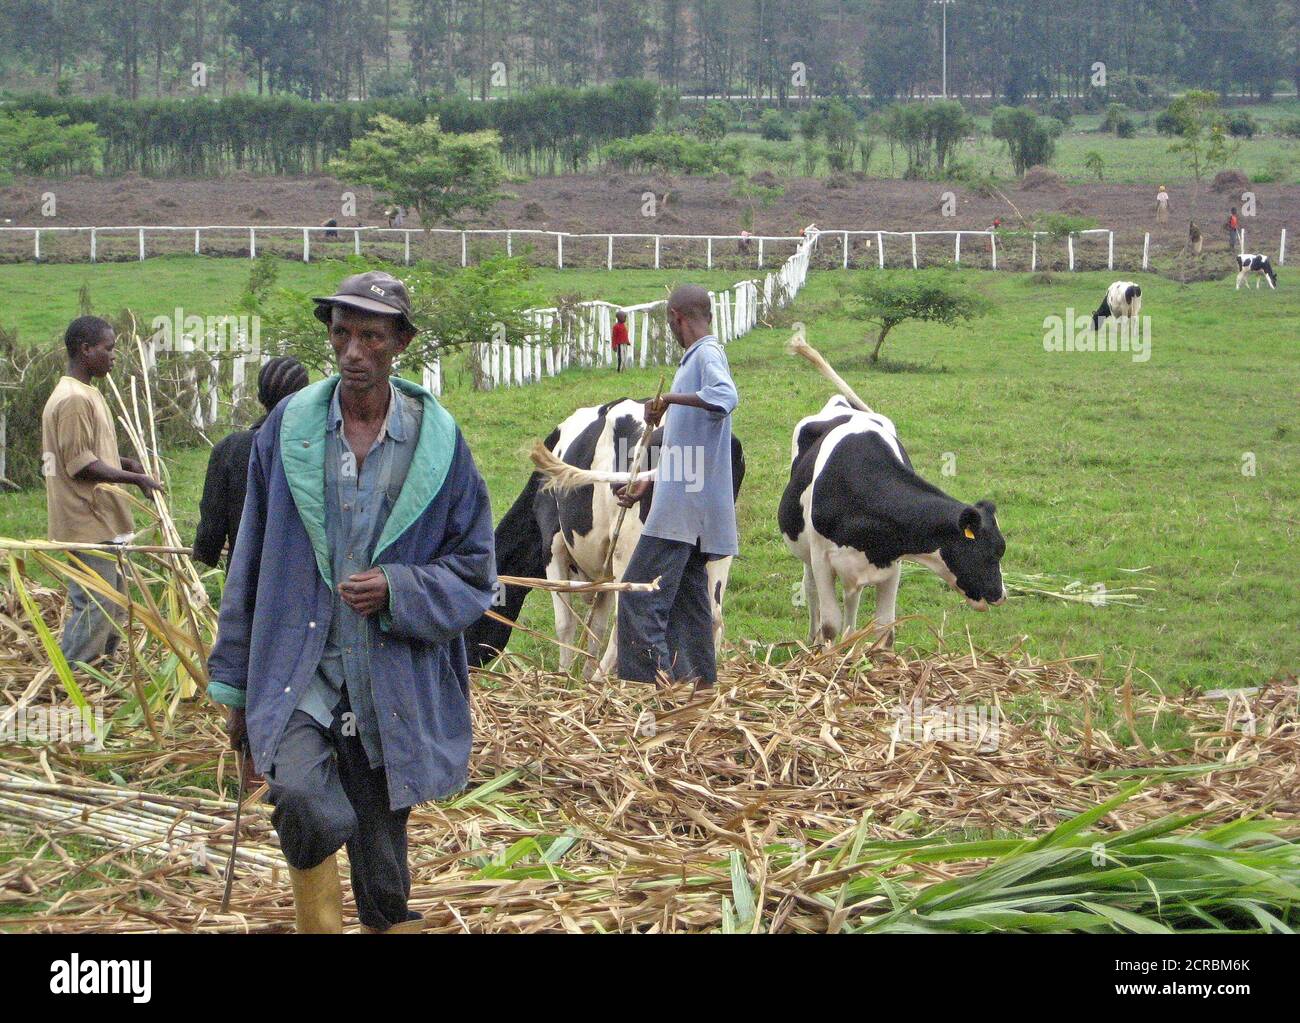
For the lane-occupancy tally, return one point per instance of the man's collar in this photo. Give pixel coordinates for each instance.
(394, 425)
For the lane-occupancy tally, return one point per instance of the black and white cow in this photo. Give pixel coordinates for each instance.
(1123, 298)
(567, 535)
(854, 508)
(1255, 263)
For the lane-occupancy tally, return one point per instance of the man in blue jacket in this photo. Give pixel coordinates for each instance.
(364, 551)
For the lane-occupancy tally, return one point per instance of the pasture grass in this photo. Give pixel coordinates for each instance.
(1098, 464)
(1142, 159)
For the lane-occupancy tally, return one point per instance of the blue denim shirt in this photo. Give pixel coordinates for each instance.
(357, 506)
(693, 500)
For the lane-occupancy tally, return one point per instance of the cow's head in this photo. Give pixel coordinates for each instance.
(973, 555)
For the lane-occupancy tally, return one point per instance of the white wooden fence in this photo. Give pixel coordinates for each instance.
(401, 236)
(579, 335)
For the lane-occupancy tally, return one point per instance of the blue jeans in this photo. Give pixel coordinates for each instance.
(91, 628)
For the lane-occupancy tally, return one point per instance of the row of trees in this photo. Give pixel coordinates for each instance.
(337, 49)
(544, 131)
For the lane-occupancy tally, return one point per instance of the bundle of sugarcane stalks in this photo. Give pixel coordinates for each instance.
(851, 788)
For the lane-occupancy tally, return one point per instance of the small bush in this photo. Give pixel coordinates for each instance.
(1289, 127)
(1241, 125)
(773, 128)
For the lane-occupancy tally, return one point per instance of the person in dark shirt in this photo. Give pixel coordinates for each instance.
(223, 489)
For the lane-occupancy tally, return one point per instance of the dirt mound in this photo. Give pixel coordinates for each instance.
(1230, 181)
(1040, 177)
(533, 211)
(765, 179)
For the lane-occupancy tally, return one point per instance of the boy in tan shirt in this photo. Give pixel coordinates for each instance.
(79, 451)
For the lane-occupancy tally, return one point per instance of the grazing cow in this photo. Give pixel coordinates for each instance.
(1123, 299)
(1253, 262)
(565, 533)
(854, 508)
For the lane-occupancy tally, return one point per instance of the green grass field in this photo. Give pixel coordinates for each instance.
(1098, 464)
(1142, 159)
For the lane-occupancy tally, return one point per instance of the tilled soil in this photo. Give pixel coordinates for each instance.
(623, 203)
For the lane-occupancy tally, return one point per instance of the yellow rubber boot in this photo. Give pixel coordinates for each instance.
(318, 898)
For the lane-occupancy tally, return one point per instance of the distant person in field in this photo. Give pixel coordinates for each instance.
(618, 337)
(331, 235)
(1194, 238)
(223, 488)
(743, 245)
(1162, 206)
(1233, 227)
(79, 445)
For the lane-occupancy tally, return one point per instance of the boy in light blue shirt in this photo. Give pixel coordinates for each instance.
(692, 518)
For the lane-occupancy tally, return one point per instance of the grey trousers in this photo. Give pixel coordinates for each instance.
(91, 627)
(669, 630)
(326, 795)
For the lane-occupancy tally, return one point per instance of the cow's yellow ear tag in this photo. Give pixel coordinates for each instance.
(970, 533)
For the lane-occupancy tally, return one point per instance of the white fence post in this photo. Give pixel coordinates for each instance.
(709, 257)
(252, 243)
(36, 254)
(1241, 237)
(3, 440)
(1110, 251)
(845, 264)
(140, 238)
(559, 250)
(1281, 249)
(92, 245)
(306, 246)
(1070, 241)
(956, 251)
(1033, 251)
(464, 250)
(406, 248)
(880, 249)
(914, 266)
(196, 241)
(609, 253)
(656, 252)
(1146, 249)
(993, 247)
(510, 243)
(760, 253)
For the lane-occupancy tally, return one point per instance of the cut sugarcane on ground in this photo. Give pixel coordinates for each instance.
(852, 788)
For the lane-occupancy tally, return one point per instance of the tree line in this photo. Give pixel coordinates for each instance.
(782, 50)
(553, 129)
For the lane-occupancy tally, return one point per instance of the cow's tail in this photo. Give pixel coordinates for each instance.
(564, 478)
(798, 346)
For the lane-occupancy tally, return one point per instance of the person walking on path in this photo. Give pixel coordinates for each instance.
(365, 551)
(669, 632)
(223, 487)
(1162, 206)
(1233, 227)
(618, 337)
(79, 452)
